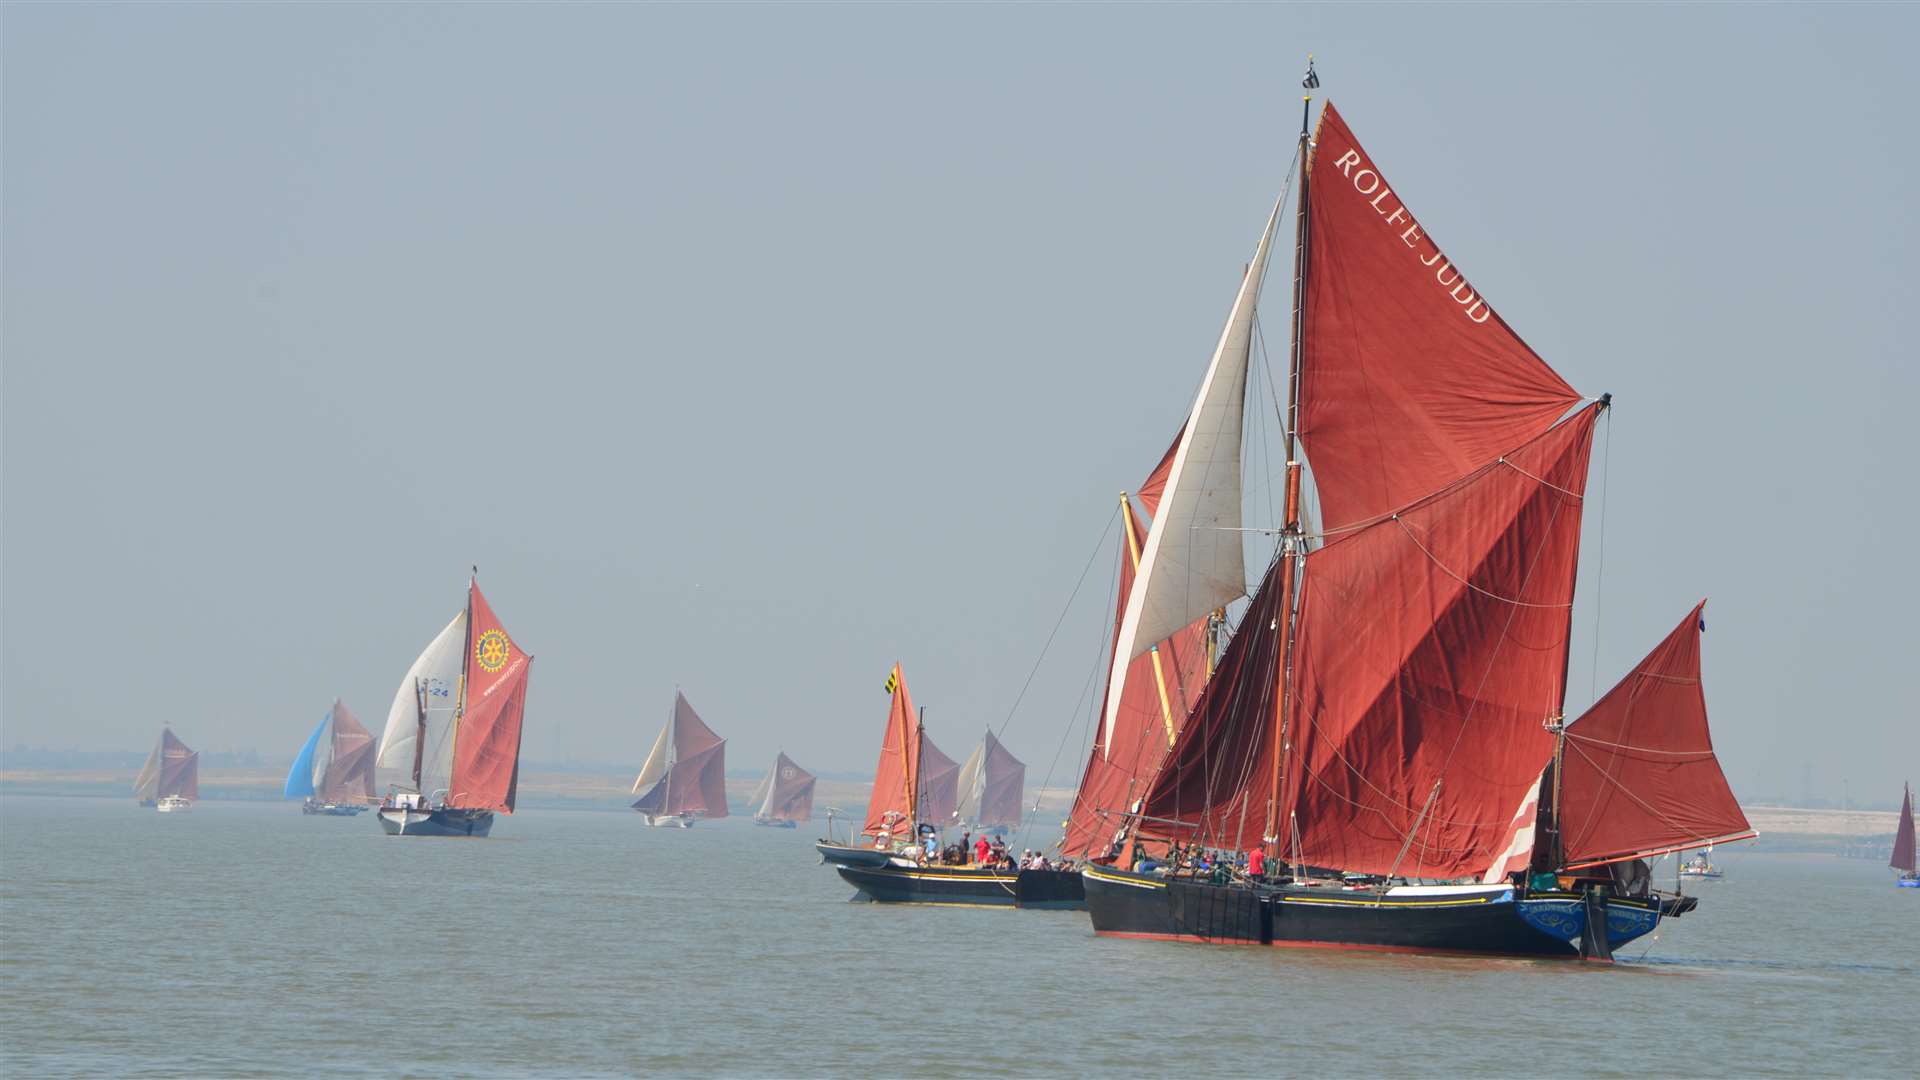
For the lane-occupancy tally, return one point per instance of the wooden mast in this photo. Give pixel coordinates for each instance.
(1292, 547)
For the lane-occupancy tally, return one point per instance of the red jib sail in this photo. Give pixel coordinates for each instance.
(1124, 761)
(1638, 776)
(1003, 779)
(888, 808)
(179, 768)
(1409, 379)
(486, 743)
(349, 773)
(790, 797)
(939, 784)
(1903, 840)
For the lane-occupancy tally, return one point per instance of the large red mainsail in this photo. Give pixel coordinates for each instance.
(1409, 379)
(179, 768)
(889, 809)
(486, 742)
(1638, 776)
(1431, 650)
(349, 773)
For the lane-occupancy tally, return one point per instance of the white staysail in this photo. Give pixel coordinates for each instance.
(1192, 562)
(972, 784)
(762, 796)
(657, 763)
(437, 670)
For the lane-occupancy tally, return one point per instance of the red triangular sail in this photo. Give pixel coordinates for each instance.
(486, 742)
(791, 797)
(349, 774)
(1431, 648)
(179, 768)
(1903, 840)
(887, 808)
(1638, 776)
(1409, 379)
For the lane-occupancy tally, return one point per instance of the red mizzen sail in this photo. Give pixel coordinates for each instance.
(349, 774)
(1638, 776)
(1122, 764)
(1409, 379)
(888, 809)
(1903, 840)
(939, 784)
(486, 743)
(1431, 648)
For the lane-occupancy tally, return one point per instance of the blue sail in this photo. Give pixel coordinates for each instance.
(300, 777)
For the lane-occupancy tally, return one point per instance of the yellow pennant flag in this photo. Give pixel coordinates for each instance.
(893, 680)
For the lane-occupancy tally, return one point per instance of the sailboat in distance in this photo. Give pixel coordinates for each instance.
(684, 778)
(991, 783)
(454, 728)
(785, 797)
(333, 773)
(1380, 759)
(170, 780)
(1902, 859)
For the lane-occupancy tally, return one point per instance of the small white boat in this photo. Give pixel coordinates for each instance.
(1700, 866)
(174, 804)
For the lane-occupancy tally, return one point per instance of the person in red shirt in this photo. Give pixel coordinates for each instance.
(1256, 860)
(980, 850)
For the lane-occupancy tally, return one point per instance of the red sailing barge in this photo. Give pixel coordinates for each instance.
(455, 725)
(1386, 725)
(685, 775)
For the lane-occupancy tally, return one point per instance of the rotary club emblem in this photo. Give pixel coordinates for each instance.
(492, 651)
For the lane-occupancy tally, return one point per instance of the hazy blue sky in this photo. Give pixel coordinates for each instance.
(751, 348)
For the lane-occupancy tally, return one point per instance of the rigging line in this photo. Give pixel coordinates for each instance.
(1492, 595)
(1543, 481)
(1708, 752)
(1099, 663)
(1600, 563)
(1097, 549)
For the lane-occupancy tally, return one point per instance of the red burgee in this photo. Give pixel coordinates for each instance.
(1903, 840)
(486, 743)
(697, 782)
(1155, 484)
(887, 808)
(1431, 648)
(1003, 781)
(1409, 379)
(179, 768)
(1123, 762)
(939, 784)
(1638, 775)
(349, 775)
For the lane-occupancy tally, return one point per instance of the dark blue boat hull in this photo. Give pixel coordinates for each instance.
(442, 822)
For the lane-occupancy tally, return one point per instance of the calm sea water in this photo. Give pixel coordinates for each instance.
(246, 939)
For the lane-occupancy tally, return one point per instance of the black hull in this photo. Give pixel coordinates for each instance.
(932, 885)
(776, 823)
(1054, 889)
(442, 822)
(1467, 922)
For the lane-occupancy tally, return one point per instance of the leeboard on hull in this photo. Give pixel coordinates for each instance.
(446, 821)
(1473, 920)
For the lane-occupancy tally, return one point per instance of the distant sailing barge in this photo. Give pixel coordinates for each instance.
(455, 726)
(785, 798)
(170, 780)
(1902, 860)
(685, 776)
(1383, 736)
(915, 792)
(333, 773)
